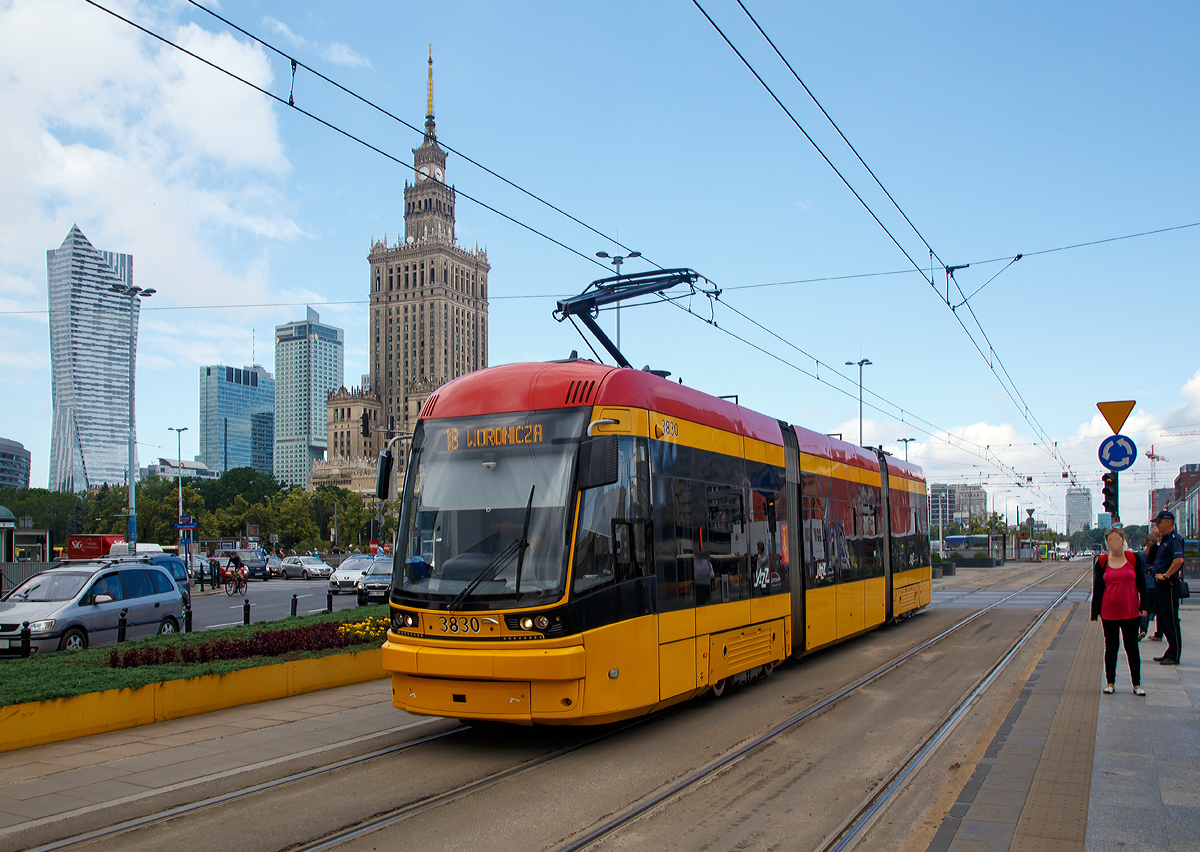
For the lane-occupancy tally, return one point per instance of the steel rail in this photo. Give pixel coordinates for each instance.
(191, 807)
(969, 592)
(418, 807)
(729, 757)
(846, 837)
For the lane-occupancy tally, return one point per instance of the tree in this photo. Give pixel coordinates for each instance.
(245, 482)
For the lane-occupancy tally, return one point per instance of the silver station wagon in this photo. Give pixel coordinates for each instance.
(78, 604)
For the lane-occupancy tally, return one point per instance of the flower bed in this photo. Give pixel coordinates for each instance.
(163, 658)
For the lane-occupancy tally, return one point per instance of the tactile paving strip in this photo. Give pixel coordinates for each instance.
(1055, 813)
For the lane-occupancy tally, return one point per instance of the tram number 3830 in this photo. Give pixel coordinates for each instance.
(459, 624)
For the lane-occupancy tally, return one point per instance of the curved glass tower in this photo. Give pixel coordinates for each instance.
(90, 373)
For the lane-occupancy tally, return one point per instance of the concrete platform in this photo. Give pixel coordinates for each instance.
(1073, 769)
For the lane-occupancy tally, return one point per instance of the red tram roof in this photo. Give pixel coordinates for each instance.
(566, 384)
(563, 384)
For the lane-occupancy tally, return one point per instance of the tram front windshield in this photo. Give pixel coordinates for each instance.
(467, 506)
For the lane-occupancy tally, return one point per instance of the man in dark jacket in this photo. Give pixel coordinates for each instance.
(1168, 562)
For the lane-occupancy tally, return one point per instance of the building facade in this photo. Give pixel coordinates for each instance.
(941, 503)
(1189, 476)
(1160, 498)
(169, 469)
(309, 363)
(14, 464)
(237, 418)
(90, 369)
(970, 502)
(1079, 509)
(352, 458)
(428, 319)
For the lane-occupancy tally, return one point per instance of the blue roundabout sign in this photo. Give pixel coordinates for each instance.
(1117, 452)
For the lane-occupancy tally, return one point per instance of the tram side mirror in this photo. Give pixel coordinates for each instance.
(598, 459)
(383, 476)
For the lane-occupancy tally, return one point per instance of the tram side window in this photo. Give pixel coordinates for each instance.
(725, 542)
(844, 540)
(614, 523)
(766, 567)
(872, 541)
(815, 544)
(673, 543)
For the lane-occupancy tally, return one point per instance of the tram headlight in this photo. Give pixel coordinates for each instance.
(527, 623)
(410, 620)
(542, 622)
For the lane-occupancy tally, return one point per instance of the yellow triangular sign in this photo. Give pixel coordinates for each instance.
(1116, 412)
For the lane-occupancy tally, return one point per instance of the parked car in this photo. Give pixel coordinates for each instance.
(77, 604)
(373, 586)
(348, 573)
(305, 567)
(179, 573)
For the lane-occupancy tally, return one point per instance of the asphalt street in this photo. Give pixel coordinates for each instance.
(269, 601)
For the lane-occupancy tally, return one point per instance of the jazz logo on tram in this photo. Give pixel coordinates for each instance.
(500, 436)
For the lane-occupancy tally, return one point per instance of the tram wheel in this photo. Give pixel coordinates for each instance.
(719, 687)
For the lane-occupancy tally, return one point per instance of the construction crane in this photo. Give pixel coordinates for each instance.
(1154, 459)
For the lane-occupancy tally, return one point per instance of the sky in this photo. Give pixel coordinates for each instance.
(998, 130)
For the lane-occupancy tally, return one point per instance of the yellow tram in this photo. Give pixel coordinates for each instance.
(581, 543)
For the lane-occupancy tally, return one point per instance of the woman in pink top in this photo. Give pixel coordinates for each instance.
(1119, 601)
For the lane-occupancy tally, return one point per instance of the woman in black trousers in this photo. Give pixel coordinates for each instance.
(1119, 601)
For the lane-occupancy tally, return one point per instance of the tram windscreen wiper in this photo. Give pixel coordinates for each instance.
(524, 542)
(496, 564)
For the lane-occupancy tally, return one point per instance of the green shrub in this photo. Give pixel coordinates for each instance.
(935, 558)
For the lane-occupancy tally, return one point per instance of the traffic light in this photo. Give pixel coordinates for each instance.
(366, 423)
(1110, 494)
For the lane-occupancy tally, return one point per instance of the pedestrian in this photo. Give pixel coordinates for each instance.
(1168, 562)
(1149, 549)
(1119, 601)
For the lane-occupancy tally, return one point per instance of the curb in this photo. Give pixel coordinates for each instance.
(41, 722)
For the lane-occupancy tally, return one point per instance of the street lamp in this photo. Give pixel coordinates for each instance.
(134, 293)
(179, 458)
(861, 363)
(616, 260)
(904, 441)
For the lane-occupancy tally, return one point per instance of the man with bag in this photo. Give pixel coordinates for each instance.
(1168, 562)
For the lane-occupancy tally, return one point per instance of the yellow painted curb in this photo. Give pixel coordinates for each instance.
(40, 722)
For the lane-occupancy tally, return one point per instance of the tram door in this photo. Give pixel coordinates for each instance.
(793, 536)
(886, 532)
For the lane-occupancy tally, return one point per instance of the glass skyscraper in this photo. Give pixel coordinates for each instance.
(308, 365)
(90, 373)
(237, 418)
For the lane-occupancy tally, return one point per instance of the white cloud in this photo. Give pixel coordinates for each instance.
(150, 153)
(341, 54)
(280, 28)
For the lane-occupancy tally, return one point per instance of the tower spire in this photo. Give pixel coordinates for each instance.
(429, 111)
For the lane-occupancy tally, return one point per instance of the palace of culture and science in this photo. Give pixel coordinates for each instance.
(427, 323)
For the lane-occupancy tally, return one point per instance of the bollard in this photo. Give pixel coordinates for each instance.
(246, 611)
(121, 624)
(24, 638)
(329, 601)
(293, 606)
(187, 619)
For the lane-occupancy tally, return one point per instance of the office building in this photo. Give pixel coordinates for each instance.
(1160, 498)
(1103, 520)
(1079, 509)
(970, 502)
(237, 418)
(169, 469)
(1189, 475)
(429, 306)
(14, 464)
(309, 361)
(941, 503)
(90, 369)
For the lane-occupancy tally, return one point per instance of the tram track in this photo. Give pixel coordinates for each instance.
(865, 814)
(456, 793)
(399, 815)
(1000, 581)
